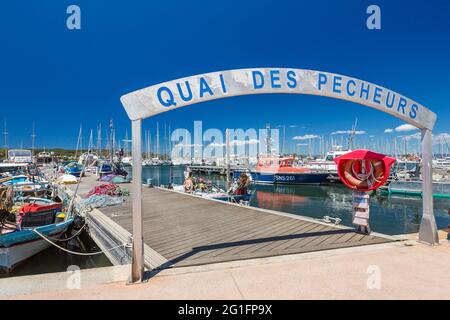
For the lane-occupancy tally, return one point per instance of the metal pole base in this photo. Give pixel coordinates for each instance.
(428, 232)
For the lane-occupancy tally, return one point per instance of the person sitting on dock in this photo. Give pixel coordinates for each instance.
(189, 184)
(242, 185)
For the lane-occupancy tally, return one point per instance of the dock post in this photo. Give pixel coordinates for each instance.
(137, 264)
(227, 137)
(428, 230)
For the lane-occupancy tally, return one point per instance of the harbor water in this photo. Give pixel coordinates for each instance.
(388, 214)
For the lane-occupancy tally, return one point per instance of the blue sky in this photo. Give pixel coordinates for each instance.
(61, 78)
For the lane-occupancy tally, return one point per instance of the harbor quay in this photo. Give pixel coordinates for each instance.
(397, 270)
(197, 248)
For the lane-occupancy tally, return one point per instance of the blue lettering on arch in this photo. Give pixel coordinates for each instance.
(377, 95)
(222, 83)
(257, 85)
(170, 101)
(390, 104)
(292, 82)
(337, 84)
(204, 87)
(322, 80)
(351, 93)
(401, 105)
(180, 91)
(413, 112)
(274, 79)
(364, 90)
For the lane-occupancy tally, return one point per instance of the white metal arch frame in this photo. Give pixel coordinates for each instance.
(178, 93)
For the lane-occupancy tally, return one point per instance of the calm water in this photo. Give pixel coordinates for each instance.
(389, 215)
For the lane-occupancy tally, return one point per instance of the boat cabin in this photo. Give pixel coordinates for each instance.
(275, 162)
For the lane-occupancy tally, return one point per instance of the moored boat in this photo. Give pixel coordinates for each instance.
(73, 168)
(276, 170)
(21, 229)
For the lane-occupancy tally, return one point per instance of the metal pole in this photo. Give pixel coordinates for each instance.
(428, 230)
(227, 135)
(137, 267)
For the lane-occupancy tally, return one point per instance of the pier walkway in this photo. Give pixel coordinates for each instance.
(186, 230)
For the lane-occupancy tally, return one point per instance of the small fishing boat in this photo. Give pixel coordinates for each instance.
(21, 229)
(67, 179)
(73, 168)
(277, 170)
(11, 180)
(105, 168)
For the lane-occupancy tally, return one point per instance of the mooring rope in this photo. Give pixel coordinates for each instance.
(70, 238)
(78, 253)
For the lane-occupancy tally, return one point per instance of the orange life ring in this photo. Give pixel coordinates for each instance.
(375, 177)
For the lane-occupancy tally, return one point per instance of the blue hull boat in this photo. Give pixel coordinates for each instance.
(278, 170)
(18, 246)
(74, 169)
(285, 178)
(20, 231)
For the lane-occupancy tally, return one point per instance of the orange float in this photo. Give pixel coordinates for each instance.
(364, 170)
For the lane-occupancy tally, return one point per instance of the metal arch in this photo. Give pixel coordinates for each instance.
(146, 102)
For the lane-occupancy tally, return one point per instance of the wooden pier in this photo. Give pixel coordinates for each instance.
(186, 230)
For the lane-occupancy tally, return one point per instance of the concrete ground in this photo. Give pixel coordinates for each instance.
(401, 270)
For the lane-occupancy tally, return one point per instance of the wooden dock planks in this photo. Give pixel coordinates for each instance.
(188, 230)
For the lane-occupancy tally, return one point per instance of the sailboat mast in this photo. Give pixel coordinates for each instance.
(5, 135)
(99, 139)
(33, 137)
(169, 144)
(79, 146)
(111, 140)
(157, 140)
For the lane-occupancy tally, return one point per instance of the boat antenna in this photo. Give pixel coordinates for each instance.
(352, 135)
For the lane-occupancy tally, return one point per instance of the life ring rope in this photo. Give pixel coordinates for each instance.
(365, 180)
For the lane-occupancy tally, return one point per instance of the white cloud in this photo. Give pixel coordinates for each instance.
(349, 132)
(388, 130)
(306, 137)
(293, 126)
(405, 127)
(302, 144)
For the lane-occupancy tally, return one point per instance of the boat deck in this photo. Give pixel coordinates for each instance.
(185, 230)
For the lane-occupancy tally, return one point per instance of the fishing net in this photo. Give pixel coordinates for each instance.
(109, 189)
(102, 200)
